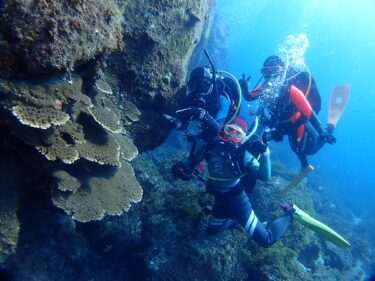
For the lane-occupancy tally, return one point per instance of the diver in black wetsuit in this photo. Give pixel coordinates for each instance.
(207, 102)
(292, 100)
(232, 172)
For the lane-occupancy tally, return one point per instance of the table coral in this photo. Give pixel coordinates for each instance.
(102, 196)
(42, 118)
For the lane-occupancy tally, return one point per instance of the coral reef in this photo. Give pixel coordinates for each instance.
(102, 196)
(66, 182)
(62, 136)
(103, 86)
(81, 127)
(42, 118)
(107, 153)
(44, 37)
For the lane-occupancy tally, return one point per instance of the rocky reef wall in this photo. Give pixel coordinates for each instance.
(159, 38)
(82, 87)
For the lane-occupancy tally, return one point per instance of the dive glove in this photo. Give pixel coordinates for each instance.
(182, 171)
(243, 84)
(257, 147)
(328, 138)
(275, 135)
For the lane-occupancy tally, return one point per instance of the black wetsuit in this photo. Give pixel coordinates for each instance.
(230, 188)
(294, 113)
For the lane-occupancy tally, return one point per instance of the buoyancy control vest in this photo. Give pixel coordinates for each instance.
(283, 110)
(227, 164)
(306, 83)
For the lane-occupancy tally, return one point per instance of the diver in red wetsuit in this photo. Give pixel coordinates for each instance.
(292, 102)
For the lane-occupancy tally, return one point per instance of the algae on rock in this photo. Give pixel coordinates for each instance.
(53, 36)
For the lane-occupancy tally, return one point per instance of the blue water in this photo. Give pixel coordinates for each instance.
(341, 38)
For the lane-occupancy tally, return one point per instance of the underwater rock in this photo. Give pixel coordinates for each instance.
(160, 37)
(214, 39)
(9, 224)
(49, 37)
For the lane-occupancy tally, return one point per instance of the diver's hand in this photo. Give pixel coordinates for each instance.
(275, 135)
(182, 171)
(197, 112)
(243, 84)
(328, 138)
(287, 207)
(257, 147)
(172, 120)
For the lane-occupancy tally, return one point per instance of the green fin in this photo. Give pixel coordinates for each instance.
(319, 228)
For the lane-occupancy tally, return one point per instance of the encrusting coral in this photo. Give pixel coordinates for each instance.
(102, 196)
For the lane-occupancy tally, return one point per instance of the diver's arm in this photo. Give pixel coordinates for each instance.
(300, 101)
(261, 168)
(224, 107)
(214, 125)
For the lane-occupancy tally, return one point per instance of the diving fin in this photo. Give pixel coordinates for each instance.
(319, 228)
(337, 103)
(297, 179)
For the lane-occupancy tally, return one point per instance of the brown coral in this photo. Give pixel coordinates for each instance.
(102, 196)
(106, 118)
(104, 153)
(106, 114)
(131, 111)
(55, 147)
(63, 137)
(127, 149)
(42, 118)
(66, 182)
(103, 86)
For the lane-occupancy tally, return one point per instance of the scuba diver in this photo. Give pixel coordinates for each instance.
(234, 164)
(233, 170)
(213, 98)
(291, 101)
